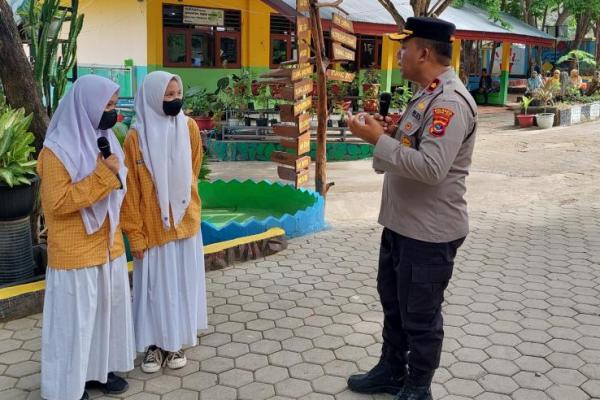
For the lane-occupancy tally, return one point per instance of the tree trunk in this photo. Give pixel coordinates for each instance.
(420, 7)
(321, 67)
(597, 37)
(562, 16)
(583, 26)
(17, 77)
(391, 8)
(20, 89)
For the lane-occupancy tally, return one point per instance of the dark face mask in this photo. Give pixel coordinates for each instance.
(108, 120)
(173, 107)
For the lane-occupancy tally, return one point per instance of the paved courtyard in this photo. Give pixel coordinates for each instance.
(522, 311)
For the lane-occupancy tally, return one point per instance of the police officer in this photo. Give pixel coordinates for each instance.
(425, 161)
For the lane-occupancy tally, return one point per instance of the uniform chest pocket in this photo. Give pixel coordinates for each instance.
(408, 132)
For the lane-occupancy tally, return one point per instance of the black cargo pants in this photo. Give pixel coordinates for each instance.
(411, 281)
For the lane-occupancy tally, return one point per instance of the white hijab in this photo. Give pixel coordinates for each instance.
(165, 146)
(73, 137)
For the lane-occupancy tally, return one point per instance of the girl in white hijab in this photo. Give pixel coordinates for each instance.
(161, 217)
(87, 328)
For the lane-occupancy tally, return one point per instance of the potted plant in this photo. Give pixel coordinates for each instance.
(400, 98)
(544, 120)
(17, 168)
(525, 120)
(371, 83)
(17, 194)
(263, 98)
(198, 105)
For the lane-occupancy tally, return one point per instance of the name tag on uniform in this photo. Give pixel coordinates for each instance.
(416, 115)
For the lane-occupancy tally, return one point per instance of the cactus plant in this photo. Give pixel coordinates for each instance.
(44, 24)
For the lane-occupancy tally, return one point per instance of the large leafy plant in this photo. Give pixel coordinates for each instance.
(16, 162)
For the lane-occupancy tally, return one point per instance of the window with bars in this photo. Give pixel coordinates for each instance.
(283, 40)
(214, 45)
(369, 51)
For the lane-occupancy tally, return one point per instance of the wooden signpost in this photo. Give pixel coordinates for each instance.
(294, 128)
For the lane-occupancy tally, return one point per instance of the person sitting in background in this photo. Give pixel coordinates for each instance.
(464, 77)
(594, 86)
(555, 76)
(576, 80)
(534, 83)
(485, 85)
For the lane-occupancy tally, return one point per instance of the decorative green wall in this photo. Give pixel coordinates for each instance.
(261, 151)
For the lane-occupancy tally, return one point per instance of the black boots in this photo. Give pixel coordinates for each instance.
(386, 377)
(114, 385)
(411, 392)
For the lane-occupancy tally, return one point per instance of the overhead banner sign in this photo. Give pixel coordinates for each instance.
(203, 16)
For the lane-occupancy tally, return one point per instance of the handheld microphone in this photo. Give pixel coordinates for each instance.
(385, 99)
(104, 147)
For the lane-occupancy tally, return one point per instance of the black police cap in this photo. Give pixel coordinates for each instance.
(426, 28)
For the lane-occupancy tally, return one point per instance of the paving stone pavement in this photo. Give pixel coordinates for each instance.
(522, 319)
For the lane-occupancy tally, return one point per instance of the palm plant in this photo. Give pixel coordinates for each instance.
(16, 151)
(580, 57)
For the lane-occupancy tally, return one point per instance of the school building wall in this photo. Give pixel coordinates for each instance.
(115, 31)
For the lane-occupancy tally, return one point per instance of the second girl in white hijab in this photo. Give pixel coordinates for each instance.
(161, 217)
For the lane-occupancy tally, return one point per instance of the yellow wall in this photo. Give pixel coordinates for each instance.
(255, 28)
(113, 30)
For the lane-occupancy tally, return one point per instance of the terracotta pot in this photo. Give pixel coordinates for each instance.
(204, 123)
(395, 118)
(525, 120)
(255, 89)
(370, 105)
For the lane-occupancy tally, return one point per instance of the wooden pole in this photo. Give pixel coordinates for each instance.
(321, 69)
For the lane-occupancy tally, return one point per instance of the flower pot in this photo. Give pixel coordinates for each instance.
(255, 89)
(204, 123)
(262, 122)
(395, 118)
(545, 120)
(370, 90)
(370, 105)
(16, 251)
(342, 123)
(525, 120)
(17, 201)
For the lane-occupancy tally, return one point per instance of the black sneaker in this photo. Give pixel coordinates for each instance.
(411, 392)
(386, 377)
(114, 385)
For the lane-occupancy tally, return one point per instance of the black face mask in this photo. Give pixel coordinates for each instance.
(173, 107)
(108, 120)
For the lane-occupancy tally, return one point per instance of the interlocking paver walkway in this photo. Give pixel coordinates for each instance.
(522, 319)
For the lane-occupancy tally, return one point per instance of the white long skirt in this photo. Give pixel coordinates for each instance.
(169, 295)
(87, 328)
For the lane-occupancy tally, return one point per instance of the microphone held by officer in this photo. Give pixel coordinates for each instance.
(425, 160)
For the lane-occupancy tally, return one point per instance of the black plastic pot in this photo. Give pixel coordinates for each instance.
(17, 202)
(262, 122)
(247, 121)
(342, 123)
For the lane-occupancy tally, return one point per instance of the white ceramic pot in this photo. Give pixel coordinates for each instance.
(545, 120)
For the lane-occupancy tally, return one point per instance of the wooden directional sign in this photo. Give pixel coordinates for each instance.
(303, 53)
(300, 178)
(343, 37)
(340, 75)
(301, 144)
(302, 6)
(302, 29)
(293, 131)
(303, 71)
(292, 160)
(343, 23)
(297, 90)
(289, 111)
(340, 53)
(291, 74)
